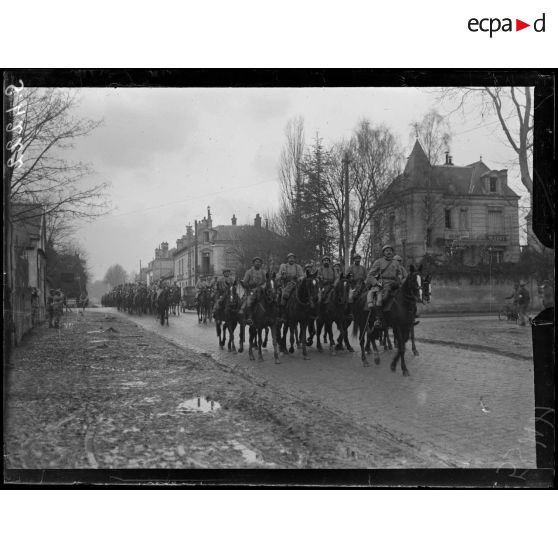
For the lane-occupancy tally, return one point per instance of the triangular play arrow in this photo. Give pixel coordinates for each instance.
(519, 25)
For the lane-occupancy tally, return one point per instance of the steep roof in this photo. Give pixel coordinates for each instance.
(447, 179)
(231, 233)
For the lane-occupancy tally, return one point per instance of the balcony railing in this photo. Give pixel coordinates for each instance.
(476, 238)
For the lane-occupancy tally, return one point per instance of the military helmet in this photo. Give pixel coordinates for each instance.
(398, 258)
(326, 257)
(384, 248)
(256, 258)
(522, 283)
(336, 264)
(290, 254)
(226, 270)
(357, 257)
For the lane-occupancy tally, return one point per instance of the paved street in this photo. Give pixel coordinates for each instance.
(467, 403)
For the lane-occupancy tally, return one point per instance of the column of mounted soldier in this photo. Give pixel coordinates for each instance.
(298, 300)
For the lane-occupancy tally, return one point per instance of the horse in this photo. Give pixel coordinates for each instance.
(204, 306)
(162, 304)
(334, 309)
(226, 318)
(301, 307)
(363, 324)
(174, 300)
(265, 315)
(400, 314)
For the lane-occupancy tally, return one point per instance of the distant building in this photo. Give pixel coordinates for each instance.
(223, 246)
(28, 264)
(468, 212)
(162, 266)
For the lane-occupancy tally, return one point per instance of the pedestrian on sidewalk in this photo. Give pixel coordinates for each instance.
(50, 307)
(58, 305)
(523, 299)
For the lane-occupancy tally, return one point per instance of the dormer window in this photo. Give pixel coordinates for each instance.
(493, 184)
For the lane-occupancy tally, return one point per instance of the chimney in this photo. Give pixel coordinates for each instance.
(233, 220)
(258, 221)
(504, 177)
(179, 244)
(208, 217)
(267, 224)
(189, 233)
(165, 249)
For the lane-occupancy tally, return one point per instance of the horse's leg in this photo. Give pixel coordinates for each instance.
(311, 331)
(319, 325)
(292, 334)
(260, 356)
(251, 341)
(329, 326)
(241, 335)
(396, 339)
(361, 335)
(303, 332)
(373, 335)
(232, 327)
(345, 335)
(413, 347)
(264, 344)
(274, 341)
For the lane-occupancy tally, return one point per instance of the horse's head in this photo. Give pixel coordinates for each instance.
(414, 284)
(269, 288)
(342, 290)
(426, 288)
(311, 285)
(232, 295)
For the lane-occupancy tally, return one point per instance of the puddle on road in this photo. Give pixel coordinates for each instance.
(136, 383)
(249, 455)
(199, 404)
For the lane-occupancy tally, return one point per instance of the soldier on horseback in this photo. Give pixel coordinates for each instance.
(222, 285)
(289, 273)
(327, 278)
(357, 276)
(253, 278)
(385, 276)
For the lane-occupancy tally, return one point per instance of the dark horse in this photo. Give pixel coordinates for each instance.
(301, 308)
(264, 315)
(204, 306)
(162, 305)
(226, 318)
(334, 309)
(363, 324)
(400, 314)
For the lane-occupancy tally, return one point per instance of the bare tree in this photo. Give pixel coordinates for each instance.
(290, 164)
(375, 161)
(46, 132)
(434, 134)
(115, 275)
(514, 112)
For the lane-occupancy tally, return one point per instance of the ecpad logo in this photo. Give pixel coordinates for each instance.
(494, 24)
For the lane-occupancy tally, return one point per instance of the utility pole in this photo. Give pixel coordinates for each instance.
(196, 252)
(346, 162)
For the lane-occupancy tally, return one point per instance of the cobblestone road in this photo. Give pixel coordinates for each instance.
(469, 400)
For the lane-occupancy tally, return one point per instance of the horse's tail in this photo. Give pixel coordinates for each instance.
(355, 327)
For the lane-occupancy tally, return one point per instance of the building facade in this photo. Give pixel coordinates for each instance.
(28, 266)
(162, 265)
(466, 212)
(205, 250)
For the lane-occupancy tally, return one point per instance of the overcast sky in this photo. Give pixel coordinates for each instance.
(169, 153)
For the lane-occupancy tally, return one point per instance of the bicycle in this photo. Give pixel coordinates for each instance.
(509, 312)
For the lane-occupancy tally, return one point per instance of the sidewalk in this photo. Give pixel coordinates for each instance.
(480, 332)
(103, 392)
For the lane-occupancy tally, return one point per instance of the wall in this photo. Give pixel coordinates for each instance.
(459, 295)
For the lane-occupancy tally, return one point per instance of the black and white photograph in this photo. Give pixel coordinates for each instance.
(263, 273)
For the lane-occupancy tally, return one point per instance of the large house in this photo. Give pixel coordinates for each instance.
(28, 264)
(223, 246)
(468, 212)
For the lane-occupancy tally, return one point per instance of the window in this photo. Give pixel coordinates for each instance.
(493, 184)
(429, 237)
(448, 218)
(495, 221)
(206, 236)
(464, 219)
